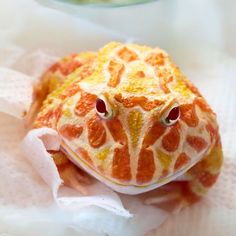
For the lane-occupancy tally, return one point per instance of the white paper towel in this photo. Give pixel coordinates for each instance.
(23, 33)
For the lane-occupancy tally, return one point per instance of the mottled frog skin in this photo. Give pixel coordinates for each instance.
(127, 116)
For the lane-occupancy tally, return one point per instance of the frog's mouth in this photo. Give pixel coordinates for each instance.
(130, 189)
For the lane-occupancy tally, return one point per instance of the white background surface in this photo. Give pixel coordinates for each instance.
(200, 35)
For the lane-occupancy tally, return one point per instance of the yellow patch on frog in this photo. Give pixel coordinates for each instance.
(102, 155)
(67, 113)
(96, 78)
(138, 82)
(164, 159)
(139, 86)
(53, 81)
(59, 158)
(201, 130)
(69, 102)
(141, 49)
(56, 92)
(135, 123)
(105, 54)
(180, 87)
(109, 48)
(86, 55)
(198, 188)
(213, 161)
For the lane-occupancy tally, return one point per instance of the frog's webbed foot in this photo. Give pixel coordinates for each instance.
(71, 175)
(169, 197)
(162, 199)
(75, 178)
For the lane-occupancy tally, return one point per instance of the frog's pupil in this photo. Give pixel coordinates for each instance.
(173, 114)
(101, 106)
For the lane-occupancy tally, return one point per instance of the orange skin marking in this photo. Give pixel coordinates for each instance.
(116, 69)
(200, 172)
(188, 115)
(192, 88)
(153, 134)
(96, 132)
(121, 164)
(188, 194)
(138, 101)
(117, 131)
(140, 74)
(70, 131)
(84, 155)
(127, 55)
(181, 161)
(156, 59)
(57, 113)
(170, 141)
(203, 105)
(166, 77)
(164, 83)
(207, 179)
(66, 68)
(149, 105)
(197, 143)
(70, 91)
(146, 166)
(85, 104)
(50, 118)
(44, 119)
(164, 173)
(212, 131)
(86, 71)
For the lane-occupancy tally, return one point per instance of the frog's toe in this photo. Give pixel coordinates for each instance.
(163, 199)
(180, 206)
(72, 182)
(82, 177)
(75, 178)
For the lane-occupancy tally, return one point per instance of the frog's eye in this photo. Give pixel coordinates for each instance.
(103, 109)
(171, 117)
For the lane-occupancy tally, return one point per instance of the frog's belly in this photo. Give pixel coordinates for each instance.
(130, 189)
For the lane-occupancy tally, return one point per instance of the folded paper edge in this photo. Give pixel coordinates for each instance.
(35, 136)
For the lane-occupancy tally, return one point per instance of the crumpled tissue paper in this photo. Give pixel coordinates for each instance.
(33, 203)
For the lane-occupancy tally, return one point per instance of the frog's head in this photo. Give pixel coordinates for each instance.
(140, 122)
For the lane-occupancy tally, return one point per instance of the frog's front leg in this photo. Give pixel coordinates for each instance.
(71, 175)
(200, 178)
(203, 175)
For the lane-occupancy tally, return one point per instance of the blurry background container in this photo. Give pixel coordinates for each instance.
(105, 3)
(181, 27)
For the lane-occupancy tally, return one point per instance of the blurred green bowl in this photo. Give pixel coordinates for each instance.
(105, 3)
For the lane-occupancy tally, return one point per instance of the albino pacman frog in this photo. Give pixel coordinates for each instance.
(128, 117)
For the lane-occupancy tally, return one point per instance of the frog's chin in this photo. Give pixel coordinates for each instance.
(130, 189)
